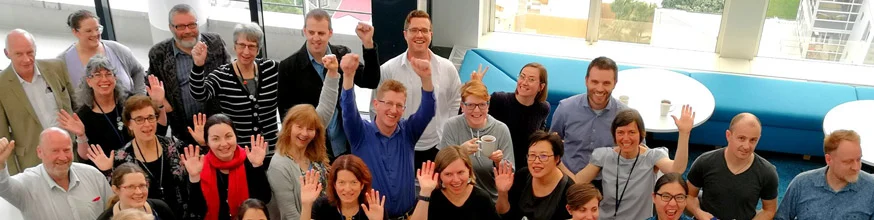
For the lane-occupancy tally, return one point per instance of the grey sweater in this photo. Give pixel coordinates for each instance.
(129, 63)
(283, 172)
(456, 131)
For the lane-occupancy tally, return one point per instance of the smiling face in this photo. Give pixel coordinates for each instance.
(222, 141)
(418, 35)
(143, 123)
(317, 33)
(671, 209)
(186, 37)
(102, 82)
(529, 83)
(246, 49)
(475, 116)
(56, 151)
(743, 138)
(588, 211)
(541, 168)
(88, 32)
(348, 187)
(627, 137)
(301, 136)
(455, 177)
(133, 191)
(390, 108)
(600, 84)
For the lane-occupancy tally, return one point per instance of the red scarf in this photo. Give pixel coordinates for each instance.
(238, 187)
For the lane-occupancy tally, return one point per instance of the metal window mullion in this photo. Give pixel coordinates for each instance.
(104, 12)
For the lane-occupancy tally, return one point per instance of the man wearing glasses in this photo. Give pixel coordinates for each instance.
(447, 85)
(171, 61)
(34, 91)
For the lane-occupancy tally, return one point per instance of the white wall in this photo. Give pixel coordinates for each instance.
(457, 22)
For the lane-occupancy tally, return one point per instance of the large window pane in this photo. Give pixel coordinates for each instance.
(817, 30)
(550, 17)
(681, 24)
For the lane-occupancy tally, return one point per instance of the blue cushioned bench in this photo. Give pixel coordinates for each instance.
(791, 111)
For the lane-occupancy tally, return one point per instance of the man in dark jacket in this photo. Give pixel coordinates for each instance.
(171, 61)
(302, 74)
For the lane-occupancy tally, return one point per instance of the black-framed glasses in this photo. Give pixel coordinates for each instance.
(666, 197)
(419, 30)
(542, 157)
(396, 105)
(472, 106)
(141, 120)
(182, 27)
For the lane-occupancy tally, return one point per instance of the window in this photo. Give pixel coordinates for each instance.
(681, 24)
(567, 18)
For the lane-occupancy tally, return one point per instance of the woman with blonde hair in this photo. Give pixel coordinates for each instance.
(301, 146)
(457, 198)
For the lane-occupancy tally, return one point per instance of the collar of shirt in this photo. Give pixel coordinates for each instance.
(177, 51)
(406, 59)
(313, 59)
(36, 73)
(611, 105)
(821, 182)
(74, 179)
(393, 134)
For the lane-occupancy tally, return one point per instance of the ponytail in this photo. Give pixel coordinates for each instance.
(112, 201)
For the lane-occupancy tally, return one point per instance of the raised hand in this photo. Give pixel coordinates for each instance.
(497, 156)
(421, 67)
(198, 53)
(310, 187)
(365, 33)
(193, 162)
(687, 117)
(155, 89)
(479, 73)
(349, 63)
(470, 146)
(331, 64)
(71, 123)
(375, 207)
(427, 178)
(504, 176)
(199, 121)
(258, 151)
(96, 155)
(6, 148)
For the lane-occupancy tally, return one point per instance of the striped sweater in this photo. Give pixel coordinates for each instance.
(251, 114)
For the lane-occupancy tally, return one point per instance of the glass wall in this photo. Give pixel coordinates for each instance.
(567, 18)
(681, 24)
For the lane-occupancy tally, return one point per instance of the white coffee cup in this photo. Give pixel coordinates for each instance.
(488, 144)
(623, 99)
(665, 108)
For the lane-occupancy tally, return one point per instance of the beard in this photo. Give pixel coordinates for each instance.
(187, 44)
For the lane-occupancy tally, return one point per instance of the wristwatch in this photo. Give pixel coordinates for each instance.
(424, 198)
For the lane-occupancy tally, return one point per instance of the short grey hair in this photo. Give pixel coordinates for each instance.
(251, 32)
(318, 14)
(85, 94)
(26, 35)
(180, 8)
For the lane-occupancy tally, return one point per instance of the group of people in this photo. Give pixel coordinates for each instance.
(415, 158)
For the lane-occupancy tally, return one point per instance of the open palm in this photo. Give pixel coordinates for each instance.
(310, 187)
(375, 207)
(199, 120)
(96, 155)
(504, 176)
(258, 151)
(427, 178)
(193, 162)
(686, 120)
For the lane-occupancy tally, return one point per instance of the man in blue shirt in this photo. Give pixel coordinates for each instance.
(583, 120)
(837, 191)
(386, 145)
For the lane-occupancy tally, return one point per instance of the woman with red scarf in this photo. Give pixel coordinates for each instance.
(229, 174)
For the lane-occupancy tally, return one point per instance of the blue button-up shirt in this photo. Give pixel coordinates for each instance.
(810, 197)
(583, 129)
(335, 134)
(390, 158)
(184, 63)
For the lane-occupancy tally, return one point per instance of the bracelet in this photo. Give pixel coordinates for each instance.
(424, 198)
(82, 140)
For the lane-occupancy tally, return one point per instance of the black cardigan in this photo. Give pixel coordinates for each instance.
(259, 189)
(301, 83)
(158, 207)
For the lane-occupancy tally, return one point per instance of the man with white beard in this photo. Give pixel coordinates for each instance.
(583, 121)
(837, 191)
(171, 61)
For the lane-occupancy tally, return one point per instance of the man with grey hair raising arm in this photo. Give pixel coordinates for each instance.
(58, 188)
(34, 92)
(171, 61)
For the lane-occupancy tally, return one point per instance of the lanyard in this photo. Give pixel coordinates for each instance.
(118, 125)
(143, 162)
(618, 196)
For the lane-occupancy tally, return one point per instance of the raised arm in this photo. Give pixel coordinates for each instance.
(681, 159)
(370, 68)
(328, 96)
(11, 188)
(353, 125)
(587, 174)
(202, 83)
(419, 120)
(428, 182)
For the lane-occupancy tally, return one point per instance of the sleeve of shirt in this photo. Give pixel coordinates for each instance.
(196, 202)
(770, 183)
(353, 125)
(598, 156)
(383, 72)
(657, 154)
(328, 99)
(134, 68)
(506, 145)
(454, 97)
(369, 71)
(696, 172)
(12, 189)
(202, 84)
(558, 119)
(543, 123)
(259, 186)
(786, 210)
(449, 139)
(419, 120)
(283, 185)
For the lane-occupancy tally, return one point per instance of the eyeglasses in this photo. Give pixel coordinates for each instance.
(181, 27)
(542, 157)
(666, 197)
(99, 30)
(141, 120)
(472, 106)
(101, 76)
(531, 79)
(141, 187)
(419, 30)
(396, 105)
(246, 47)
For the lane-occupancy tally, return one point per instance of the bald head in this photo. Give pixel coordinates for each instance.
(19, 36)
(746, 119)
(53, 134)
(56, 151)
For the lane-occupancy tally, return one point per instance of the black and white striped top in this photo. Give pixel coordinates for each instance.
(252, 114)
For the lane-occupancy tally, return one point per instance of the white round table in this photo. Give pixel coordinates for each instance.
(647, 87)
(856, 116)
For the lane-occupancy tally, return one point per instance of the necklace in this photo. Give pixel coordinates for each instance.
(618, 196)
(119, 126)
(143, 163)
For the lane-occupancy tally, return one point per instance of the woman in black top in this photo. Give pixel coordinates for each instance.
(524, 110)
(131, 188)
(458, 198)
(537, 192)
(349, 193)
(99, 101)
(228, 174)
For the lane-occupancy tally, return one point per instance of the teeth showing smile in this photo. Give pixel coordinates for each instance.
(419, 41)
